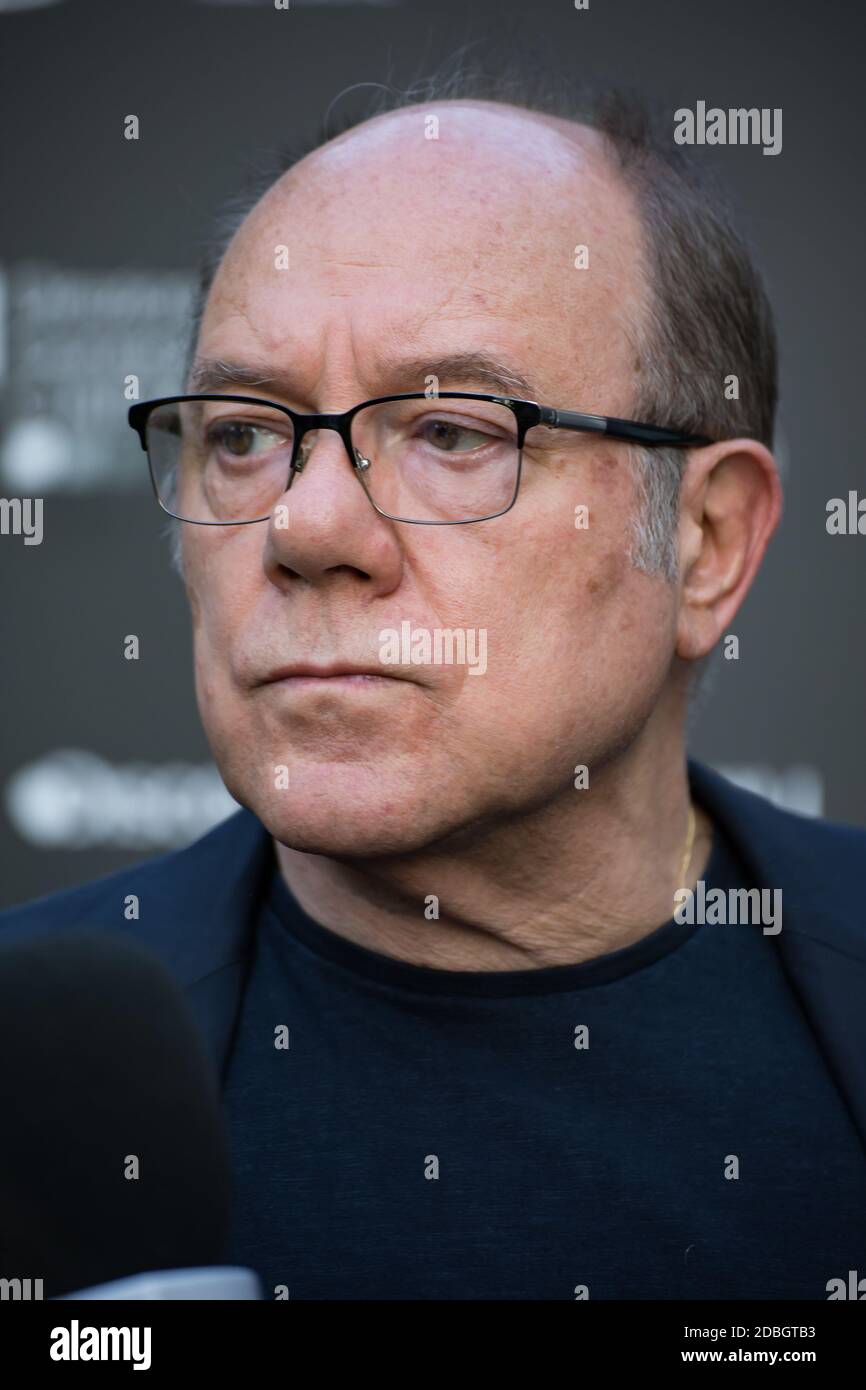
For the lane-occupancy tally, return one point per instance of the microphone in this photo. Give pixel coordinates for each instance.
(114, 1161)
(220, 1281)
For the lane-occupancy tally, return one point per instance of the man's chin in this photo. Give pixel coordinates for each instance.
(344, 836)
(347, 816)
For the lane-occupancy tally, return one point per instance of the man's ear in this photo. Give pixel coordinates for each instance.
(730, 505)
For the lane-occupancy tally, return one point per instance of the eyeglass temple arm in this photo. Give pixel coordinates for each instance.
(615, 428)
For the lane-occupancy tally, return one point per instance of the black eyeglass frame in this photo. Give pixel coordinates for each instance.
(527, 414)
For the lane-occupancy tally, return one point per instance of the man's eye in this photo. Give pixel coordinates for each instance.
(242, 440)
(452, 437)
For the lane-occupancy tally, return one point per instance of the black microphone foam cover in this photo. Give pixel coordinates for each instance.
(113, 1158)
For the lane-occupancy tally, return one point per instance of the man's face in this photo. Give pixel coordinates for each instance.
(403, 247)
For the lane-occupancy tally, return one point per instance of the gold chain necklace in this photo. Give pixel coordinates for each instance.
(687, 853)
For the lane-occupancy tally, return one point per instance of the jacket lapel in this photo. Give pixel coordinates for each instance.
(822, 945)
(197, 914)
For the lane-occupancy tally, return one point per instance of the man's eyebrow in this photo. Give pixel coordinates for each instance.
(463, 368)
(457, 370)
(214, 373)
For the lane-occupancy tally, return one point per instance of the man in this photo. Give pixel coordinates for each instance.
(478, 1034)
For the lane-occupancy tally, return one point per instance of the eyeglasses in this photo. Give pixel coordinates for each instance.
(434, 460)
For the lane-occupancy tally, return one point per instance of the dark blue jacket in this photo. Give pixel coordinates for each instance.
(198, 907)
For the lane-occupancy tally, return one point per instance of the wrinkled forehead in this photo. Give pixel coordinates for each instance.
(456, 220)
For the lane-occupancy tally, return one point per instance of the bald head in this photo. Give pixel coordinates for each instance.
(462, 213)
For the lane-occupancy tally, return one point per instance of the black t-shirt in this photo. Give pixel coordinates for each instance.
(438, 1134)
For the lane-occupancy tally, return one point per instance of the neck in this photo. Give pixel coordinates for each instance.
(587, 873)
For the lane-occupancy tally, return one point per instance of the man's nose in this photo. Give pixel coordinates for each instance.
(323, 477)
(308, 443)
(325, 520)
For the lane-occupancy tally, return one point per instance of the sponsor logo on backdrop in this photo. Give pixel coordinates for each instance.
(74, 799)
(78, 347)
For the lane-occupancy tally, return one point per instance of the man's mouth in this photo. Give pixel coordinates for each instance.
(333, 675)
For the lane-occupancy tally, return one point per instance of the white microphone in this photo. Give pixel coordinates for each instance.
(212, 1281)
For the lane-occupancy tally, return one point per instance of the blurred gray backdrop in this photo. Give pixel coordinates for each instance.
(103, 759)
